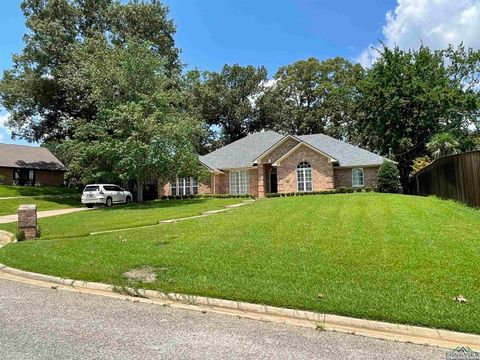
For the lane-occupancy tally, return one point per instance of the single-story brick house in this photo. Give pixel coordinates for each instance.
(268, 162)
(30, 165)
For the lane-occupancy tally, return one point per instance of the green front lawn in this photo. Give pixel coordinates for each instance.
(10, 191)
(10, 206)
(386, 257)
(122, 216)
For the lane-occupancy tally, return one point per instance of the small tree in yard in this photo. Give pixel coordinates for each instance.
(153, 148)
(443, 144)
(388, 178)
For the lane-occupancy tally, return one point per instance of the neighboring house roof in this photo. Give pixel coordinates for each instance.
(28, 157)
(243, 153)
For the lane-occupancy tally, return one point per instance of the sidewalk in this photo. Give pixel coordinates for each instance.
(42, 214)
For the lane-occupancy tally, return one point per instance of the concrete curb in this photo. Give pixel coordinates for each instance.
(328, 322)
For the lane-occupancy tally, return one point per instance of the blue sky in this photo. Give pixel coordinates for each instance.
(275, 33)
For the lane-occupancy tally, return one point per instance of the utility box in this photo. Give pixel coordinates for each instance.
(27, 220)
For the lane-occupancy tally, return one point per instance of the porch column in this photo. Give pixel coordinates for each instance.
(261, 181)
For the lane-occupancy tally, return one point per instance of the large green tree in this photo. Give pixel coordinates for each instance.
(36, 90)
(312, 96)
(139, 132)
(408, 96)
(225, 100)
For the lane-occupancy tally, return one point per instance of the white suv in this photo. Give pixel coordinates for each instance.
(106, 194)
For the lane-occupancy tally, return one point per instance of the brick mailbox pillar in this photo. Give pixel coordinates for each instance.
(27, 220)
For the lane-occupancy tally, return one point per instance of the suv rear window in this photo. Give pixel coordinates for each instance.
(92, 188)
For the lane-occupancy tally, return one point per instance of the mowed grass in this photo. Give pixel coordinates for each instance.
(122, 216)
(10, 206)
(386, 257)
(11, 191)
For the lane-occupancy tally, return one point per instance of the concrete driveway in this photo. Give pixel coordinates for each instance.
(42, 323)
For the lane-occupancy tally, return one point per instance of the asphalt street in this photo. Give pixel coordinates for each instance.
(43, 323)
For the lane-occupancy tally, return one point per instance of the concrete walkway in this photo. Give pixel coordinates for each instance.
(42, 214)
(4, 239)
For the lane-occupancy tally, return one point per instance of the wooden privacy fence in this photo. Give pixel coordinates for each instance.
(453, 177)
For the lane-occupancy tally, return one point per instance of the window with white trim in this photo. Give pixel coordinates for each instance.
(184, 186)
(357, 177)
(304, 177)
(239, 182)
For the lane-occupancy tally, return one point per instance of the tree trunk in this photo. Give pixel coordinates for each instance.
(140, 190)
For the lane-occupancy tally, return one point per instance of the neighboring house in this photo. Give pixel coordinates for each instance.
(29, 165)
(268, 162)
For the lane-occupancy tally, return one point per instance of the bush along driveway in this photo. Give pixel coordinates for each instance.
(394, 258)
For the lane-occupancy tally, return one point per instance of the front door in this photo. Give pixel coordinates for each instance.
(273, 180)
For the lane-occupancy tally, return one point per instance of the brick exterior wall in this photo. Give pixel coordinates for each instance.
(7, 175)
(43, 177)
(206, 187)
(343, 177)
(221, 183)
(322, 170)
(49, 178)
(324, 176)
(163, 189)
(254, 182)
(279, 151)
(264, 167)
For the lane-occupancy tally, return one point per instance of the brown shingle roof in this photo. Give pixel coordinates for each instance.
(28, 157)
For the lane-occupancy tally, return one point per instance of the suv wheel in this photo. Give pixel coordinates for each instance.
(109, 202)
(128, 200)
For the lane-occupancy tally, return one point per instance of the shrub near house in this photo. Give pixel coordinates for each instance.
(388, 176)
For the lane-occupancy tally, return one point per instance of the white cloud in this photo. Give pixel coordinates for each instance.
(266, 84)
(435, 23)
(3, 119)
(3, 130)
